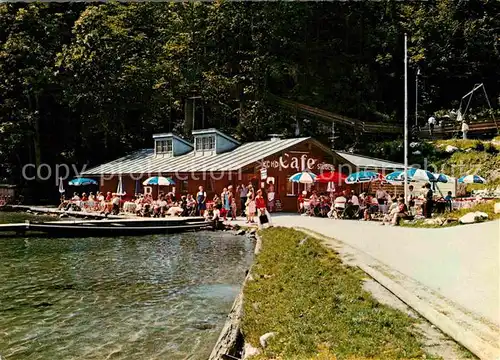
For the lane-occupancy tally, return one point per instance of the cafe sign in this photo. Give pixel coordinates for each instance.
(296, 162)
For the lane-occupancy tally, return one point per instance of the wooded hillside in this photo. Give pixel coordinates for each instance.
(85, 83)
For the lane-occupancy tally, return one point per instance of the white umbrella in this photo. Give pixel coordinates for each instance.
(119, 189)
(61, 186)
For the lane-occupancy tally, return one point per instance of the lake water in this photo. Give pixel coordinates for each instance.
(152, 297)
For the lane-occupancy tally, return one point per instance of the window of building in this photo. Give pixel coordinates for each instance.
(205, 143)
(163, 146)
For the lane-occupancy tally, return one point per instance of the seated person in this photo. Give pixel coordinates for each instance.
(301, 201)
(175, 210)
(401, 213)
(393, 210)
(352, 207)
(339, 205)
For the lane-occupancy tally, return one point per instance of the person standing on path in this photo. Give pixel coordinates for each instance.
(201, 201)
(260, 204)
(429, 201)
(225, 202)
(250, 205)
(243, 198)
(271, 197)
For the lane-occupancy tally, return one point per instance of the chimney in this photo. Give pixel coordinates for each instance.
(275, 137)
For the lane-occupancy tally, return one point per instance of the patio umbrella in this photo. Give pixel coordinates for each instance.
(472, 179)
(415, 174)
(394, 176)
(61, 186)
(443, 178)
(159, 180)
(331, 176)
(362, 177)
(119, 188)
(82, 182)
(304, 177)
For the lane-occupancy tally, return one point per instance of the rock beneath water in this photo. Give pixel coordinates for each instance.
(473, 217)
(202, 325)
(450, 149)
(497, 208)
(264, 339)
(249, 351)
(253, 231)
(28, 211)
(236, 227)
(63, 216)
(240, 232)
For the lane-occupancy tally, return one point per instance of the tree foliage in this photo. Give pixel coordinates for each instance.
(84, 82)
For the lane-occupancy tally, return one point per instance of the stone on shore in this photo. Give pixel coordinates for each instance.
(265, 338)
(249, 351)
(497, 208)
(473, 217)
(436, 221)
(450, 149)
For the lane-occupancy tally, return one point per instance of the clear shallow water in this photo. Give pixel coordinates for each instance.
(154, 297)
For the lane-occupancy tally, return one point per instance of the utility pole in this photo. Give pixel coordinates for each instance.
(406, 123)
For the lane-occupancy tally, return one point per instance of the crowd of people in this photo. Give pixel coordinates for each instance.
(379, 205)
(223, 206)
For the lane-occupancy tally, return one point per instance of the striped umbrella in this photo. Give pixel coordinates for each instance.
(443, 178)
(304, 177)
(394, 176)
(472, 179)
(415, 174)
(362, 177)
(159, 180)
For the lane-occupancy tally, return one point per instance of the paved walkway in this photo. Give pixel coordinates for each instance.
(461, 263)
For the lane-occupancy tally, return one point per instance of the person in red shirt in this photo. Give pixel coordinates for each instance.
(260, 204)
(300, 202)
(109, 197)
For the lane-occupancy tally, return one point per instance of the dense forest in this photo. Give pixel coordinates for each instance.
(85, 82)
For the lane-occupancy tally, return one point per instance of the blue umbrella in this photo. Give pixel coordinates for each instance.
(304, 177)
(472, 179)
(82, 182)
(443, 178)
(362, 177)
(394, 176)
(159, 180)
(415, 174)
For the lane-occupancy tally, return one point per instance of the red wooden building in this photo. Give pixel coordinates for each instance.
(216, 160)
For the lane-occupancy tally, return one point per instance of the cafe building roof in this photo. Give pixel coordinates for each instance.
(145, 161)
(233, 158)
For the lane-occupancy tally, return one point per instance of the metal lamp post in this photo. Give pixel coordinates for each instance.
(416, 97)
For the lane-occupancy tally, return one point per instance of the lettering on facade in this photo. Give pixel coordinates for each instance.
(298, 163)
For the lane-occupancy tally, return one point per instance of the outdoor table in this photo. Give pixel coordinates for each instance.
(129, 207)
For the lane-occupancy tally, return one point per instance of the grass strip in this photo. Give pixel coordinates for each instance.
(317, 306)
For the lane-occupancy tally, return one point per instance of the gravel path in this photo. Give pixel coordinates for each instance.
(462, 263)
